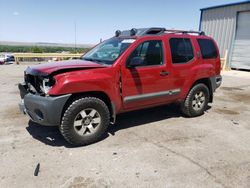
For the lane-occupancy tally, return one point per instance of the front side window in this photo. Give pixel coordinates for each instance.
(181, 50)
(208, 49)
(146, 54)
(108, 51)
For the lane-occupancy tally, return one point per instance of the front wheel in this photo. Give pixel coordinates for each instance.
(85, 121)
(196, 101)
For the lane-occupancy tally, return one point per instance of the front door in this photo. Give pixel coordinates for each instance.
(145, 76)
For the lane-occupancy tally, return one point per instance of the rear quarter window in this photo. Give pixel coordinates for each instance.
(208, 49)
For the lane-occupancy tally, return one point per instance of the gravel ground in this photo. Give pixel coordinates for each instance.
(148, 148)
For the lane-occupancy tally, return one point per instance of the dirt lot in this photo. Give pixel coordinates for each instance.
(149, 148)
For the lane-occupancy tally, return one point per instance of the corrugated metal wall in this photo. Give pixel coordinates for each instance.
(220, 23)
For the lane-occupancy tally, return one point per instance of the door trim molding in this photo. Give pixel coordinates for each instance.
(135, 98)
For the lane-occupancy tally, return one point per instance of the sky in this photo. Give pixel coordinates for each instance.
(54, 21)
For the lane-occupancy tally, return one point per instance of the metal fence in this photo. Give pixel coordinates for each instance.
(43, 57)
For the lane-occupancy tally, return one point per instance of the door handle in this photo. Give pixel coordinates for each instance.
(164, 73)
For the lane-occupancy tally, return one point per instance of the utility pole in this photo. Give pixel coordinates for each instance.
(75, 37)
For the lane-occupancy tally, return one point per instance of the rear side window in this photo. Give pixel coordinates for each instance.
(208, 49)
(181, 50)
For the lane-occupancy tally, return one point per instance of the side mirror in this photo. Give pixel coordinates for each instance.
(134, 62)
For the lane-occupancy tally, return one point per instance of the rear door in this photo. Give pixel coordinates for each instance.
(182, 56)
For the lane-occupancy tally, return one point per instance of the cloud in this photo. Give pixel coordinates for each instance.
(16, 13)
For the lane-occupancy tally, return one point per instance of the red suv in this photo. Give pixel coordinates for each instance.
(135, 69)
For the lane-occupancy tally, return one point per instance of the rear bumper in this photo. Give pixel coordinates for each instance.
(42, 110)
(215, 82)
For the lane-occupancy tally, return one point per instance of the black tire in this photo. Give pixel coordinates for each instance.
(71, 132)
(192, 110)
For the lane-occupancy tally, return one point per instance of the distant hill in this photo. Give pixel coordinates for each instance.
(11, 43)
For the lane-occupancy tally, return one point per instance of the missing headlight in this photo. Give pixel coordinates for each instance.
(47, 84)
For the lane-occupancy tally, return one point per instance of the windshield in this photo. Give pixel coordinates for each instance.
(108, 51)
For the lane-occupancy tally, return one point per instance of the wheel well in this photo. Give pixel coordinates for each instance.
(207, 82)
(100, 95)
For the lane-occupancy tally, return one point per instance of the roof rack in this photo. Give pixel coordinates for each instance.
(153, 31)
(184, 31)
(140, 31)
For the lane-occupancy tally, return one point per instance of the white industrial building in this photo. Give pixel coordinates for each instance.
(229, 25)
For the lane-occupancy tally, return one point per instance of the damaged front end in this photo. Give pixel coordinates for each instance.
(37, 83)
(35, 100)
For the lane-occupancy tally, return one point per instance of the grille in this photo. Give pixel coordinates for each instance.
(34, 83)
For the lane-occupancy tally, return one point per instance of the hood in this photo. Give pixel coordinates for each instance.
(49, 68)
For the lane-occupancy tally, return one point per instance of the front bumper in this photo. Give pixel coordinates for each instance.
(42, 110)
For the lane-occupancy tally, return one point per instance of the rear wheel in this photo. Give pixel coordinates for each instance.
(196, 101)
(85, 121)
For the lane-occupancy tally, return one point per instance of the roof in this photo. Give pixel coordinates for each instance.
(225, 5)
